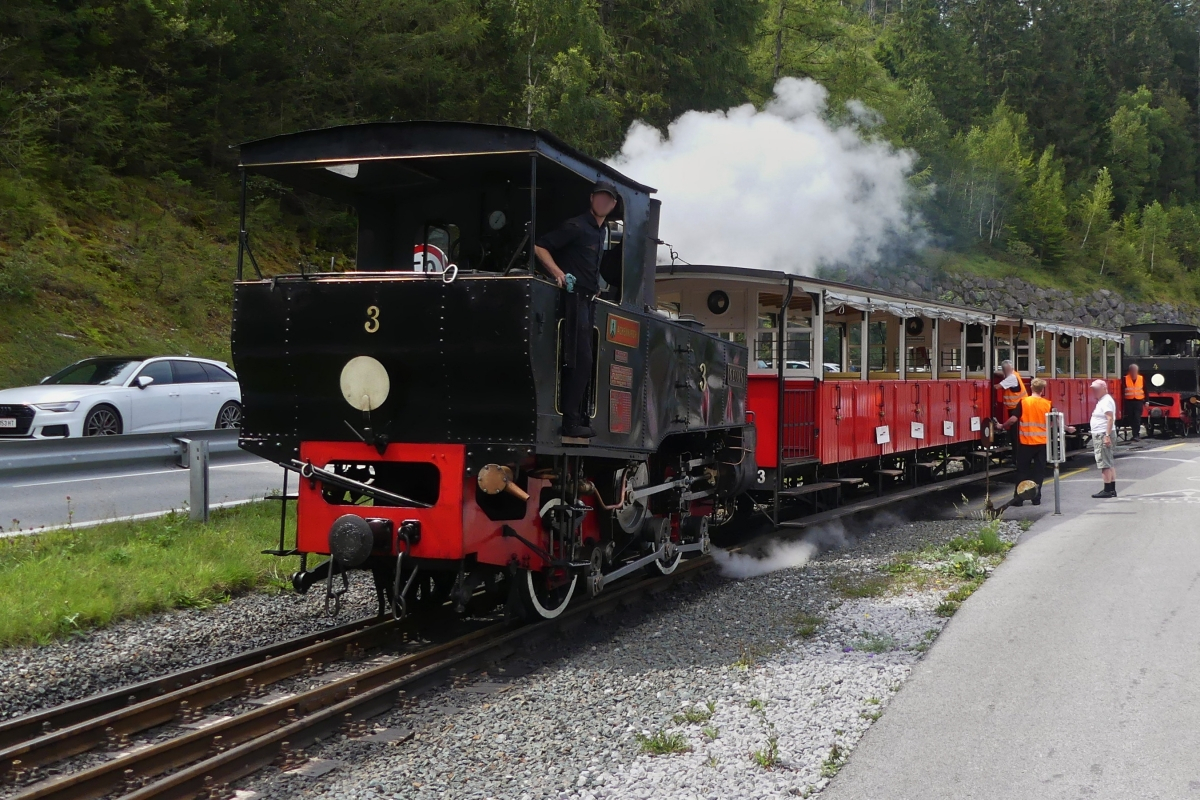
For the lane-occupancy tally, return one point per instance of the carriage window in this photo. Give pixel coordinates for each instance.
(835, 346)
(1003, 351)
(1043, 361)
(877, 346)
(951, 359)
(975, 348)
(766, 327)
(853, 349)
(799, 334)
(1095, 349)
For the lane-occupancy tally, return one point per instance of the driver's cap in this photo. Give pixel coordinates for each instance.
(605, 186)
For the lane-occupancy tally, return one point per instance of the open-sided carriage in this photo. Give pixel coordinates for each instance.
(877, 390)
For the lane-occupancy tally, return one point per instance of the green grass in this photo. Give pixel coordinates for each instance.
(833, 762)
(126, 265)
(694, 716)
(860, 586)
(661, 743)
(876, 643)
(946, 608)
(59, 582)
(807, 624)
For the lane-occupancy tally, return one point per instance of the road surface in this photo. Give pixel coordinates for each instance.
(58, 499)
(1074, 672)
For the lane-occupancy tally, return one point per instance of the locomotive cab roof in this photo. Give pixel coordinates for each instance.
(474, 191)
(1163, 327)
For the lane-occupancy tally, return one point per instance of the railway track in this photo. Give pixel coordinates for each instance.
(199, 749)
(191, 748)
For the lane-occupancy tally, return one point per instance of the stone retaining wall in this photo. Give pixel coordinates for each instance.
(1102, 308)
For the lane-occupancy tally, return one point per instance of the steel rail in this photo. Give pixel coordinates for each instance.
(228, 749)
(111, 728)
(31, 726)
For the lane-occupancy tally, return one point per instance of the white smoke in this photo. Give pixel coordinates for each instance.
(782, 188)
(779, 555)
(782, 554)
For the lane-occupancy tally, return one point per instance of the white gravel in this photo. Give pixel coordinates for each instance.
(570, 728)
(135, 650)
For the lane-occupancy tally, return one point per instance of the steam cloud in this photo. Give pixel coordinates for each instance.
(782, 188)
(781, 554)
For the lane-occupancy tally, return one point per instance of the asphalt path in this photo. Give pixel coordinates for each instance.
(53, 500)
(1073, 672)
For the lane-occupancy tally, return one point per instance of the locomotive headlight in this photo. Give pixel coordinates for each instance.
(1158, 379)
(365, 383)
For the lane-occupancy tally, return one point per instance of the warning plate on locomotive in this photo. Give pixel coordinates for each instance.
(620, 411)
(620, 377)
(622, 330)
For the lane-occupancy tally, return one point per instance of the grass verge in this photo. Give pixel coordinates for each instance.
(56, 583)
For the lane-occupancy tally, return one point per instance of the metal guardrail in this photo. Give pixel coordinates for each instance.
(25, 456)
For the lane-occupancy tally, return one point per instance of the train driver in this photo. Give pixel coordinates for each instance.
(571, 254)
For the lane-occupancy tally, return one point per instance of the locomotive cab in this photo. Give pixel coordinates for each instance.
(417, 395)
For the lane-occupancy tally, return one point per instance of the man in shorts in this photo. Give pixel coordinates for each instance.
(1104, 422)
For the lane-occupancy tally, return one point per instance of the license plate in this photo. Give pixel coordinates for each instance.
(8, 422)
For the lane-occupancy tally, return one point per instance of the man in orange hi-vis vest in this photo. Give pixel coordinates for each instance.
(1135, 399)
(1029, 416)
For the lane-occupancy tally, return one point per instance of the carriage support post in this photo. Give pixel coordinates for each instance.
(781, 329)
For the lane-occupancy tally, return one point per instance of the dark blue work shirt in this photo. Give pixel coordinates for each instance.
(577, 246)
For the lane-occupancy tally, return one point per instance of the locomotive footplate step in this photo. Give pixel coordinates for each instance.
(848, 481)
(808, 488)
(895, 473)
(576, 440)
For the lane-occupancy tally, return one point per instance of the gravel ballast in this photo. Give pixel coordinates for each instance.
(757, 687)
(32, 678)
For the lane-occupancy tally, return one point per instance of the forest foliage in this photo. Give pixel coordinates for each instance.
(1059, 136)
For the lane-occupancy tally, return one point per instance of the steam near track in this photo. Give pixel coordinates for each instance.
(782, 188)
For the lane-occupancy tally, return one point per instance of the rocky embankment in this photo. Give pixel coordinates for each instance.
(1102, 307)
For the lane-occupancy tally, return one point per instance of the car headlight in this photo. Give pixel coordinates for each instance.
(70, 405)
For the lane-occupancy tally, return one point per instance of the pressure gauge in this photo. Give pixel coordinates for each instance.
(496, 220)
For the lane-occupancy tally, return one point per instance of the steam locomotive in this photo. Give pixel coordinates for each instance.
(417, 396)
(1168, 355)
(419, 402)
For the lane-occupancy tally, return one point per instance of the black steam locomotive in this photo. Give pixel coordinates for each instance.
(1168, 356)
(417, 396)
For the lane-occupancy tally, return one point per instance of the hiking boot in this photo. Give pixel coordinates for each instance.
(1037, 502)
(1016, 504)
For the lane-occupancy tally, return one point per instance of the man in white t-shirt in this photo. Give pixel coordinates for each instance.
(1104, 421)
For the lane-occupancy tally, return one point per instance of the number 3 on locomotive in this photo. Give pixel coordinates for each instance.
(372, 323)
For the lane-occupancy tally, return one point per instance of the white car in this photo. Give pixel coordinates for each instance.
(110, 395)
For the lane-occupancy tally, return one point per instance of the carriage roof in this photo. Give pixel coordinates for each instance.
(865, 298)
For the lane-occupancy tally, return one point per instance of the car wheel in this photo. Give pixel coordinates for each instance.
(230, 416)
(102, 421)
